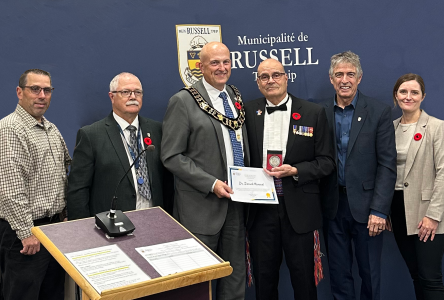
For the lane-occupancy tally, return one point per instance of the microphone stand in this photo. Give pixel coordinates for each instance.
(115, 223)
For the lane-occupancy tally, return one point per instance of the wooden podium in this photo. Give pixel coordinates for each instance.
(153, 226)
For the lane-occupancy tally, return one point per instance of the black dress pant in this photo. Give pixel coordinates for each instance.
(28, 277)
(270, 235)
(424, 260)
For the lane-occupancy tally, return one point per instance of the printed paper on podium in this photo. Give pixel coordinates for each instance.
(178, 256)
(106, 267)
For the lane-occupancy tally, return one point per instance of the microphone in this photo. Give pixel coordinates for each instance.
(115, 223)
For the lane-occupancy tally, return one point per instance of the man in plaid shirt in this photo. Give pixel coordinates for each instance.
(34, 161)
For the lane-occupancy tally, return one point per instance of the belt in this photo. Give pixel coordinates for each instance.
(47, 220)
(343, 189)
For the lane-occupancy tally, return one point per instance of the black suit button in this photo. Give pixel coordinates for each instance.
(134, 195)
(406, 184)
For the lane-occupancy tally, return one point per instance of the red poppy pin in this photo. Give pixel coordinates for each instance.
(148, 141)
(238, 106)
(417, 137)
(296, 116)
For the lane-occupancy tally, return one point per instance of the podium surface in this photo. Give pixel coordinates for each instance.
(153, 226)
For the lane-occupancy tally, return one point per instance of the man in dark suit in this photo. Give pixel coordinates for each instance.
(105, 150)
(358, 199)
(203, 134)
(279, 121)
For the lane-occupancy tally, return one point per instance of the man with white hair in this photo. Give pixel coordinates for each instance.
(107, 148)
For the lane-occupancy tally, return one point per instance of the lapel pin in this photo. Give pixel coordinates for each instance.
(259, 112)
(359, 119)
(417, 136)
(296, 116)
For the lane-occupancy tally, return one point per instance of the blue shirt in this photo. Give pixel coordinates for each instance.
(343, 121)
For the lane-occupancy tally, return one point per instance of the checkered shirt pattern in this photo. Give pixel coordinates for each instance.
(34, 163)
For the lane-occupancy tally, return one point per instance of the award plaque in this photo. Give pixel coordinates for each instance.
(274, 159)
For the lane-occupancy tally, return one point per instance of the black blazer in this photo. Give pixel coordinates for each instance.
(100, 160)
(370, 170)
(312, 156)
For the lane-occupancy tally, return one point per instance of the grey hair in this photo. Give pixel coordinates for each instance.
(347, 57)
(24, 77)
(115, 81)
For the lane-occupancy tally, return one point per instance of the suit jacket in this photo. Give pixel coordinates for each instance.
(312, 156)
(424, 174)
(370, 167)
(193, 150)
(99, 162)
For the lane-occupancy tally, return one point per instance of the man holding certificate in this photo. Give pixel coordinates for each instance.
(203, 134)
(289, 138)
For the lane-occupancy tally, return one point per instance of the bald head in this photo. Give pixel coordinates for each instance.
(270, 63)
(212, 47)
(272, 80)
(215, 64)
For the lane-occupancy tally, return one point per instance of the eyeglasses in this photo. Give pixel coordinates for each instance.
(127, 93)
(266, 77)
(35, 89)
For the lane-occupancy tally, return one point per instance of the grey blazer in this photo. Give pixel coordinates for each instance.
(424, 174)
(193, 150)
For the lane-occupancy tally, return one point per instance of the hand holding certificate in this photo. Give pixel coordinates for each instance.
(251, 185)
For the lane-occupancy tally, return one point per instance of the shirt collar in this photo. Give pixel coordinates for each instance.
(213, 93)
(282, 101)
(124, 124)
(353, 103)
(29, 120)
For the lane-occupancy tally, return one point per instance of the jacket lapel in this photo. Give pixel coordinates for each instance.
(295, 108)
(259, 126)
(330, 112)
(359, 117)
(113, 132)
(414, 145)
(216, 124)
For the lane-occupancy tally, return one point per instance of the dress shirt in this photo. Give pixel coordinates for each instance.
(276, 127)
(141, 202)
(217, 102)
(34, 163)
(343, 122)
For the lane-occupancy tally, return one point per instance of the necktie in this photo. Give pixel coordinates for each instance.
(143, 182)
(272, 109)
(235, 144)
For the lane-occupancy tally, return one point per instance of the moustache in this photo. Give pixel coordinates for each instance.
(132, 102)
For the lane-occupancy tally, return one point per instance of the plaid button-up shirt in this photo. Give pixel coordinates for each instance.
(34, 163)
